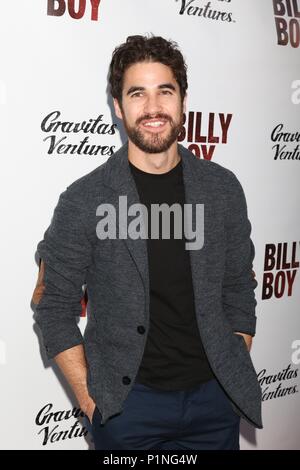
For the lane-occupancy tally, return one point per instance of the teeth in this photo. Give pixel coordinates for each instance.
(154, 124)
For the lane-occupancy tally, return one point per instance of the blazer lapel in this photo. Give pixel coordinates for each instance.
(196, 193)
(119, 177)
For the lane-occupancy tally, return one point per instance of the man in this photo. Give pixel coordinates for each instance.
(164, 362)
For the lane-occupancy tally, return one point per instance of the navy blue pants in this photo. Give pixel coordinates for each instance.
(201, 418)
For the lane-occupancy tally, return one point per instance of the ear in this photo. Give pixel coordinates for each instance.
(117, 108)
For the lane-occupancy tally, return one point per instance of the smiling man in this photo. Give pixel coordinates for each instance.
(152, 113)
(164, 362)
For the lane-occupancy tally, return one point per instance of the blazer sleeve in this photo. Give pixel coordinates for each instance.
(239, 278)
(65, 255)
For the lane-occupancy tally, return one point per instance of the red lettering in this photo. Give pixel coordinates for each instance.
(267, 289)
(270, 257)
(77, 15)
(76, 8)
(294, 30)
(282, 35)
(279, 284)
(95, 9)
(56, 7)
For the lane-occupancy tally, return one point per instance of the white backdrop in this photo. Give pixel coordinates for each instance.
(239, 68)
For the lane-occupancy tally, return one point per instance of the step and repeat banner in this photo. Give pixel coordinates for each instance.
(57, 124)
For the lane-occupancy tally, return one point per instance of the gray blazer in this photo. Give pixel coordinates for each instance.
(115, 272)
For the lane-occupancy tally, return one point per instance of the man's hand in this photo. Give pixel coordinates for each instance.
(88, 408)
(72, 363)
(247, 338)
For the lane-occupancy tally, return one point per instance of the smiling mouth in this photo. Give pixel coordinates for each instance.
(154, 124)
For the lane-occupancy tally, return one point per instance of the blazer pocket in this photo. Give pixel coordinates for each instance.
(242, 342)
(95, 416)
(241, 338)
(95, 412)
(244, 354)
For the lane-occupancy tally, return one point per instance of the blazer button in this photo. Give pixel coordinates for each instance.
(141, 329)
(126, 380)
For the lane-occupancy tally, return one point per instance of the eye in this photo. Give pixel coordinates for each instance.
(166, 92)
(136, 94)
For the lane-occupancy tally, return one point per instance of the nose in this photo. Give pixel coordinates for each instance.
(152, 105)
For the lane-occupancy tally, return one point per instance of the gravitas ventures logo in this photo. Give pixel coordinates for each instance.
(286, 144)
(280, 384)
(57, 426)
(59, 131)
(206, 10)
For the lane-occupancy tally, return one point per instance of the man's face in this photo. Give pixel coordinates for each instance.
(152, 109)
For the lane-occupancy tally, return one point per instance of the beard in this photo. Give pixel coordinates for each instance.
(154, 142)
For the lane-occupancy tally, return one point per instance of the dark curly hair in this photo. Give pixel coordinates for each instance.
(149, 49)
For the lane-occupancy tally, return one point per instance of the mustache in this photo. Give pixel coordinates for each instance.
(157, 116)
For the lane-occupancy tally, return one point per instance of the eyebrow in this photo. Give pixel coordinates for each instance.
(141, 88)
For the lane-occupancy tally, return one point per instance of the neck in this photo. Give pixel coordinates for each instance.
(153, 162)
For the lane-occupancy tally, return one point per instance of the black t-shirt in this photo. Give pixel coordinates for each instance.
(174, 358)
